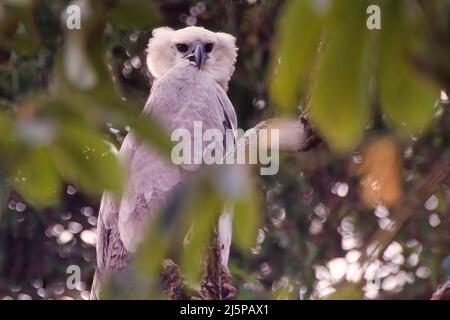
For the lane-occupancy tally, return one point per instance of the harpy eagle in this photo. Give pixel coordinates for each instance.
(191, 67)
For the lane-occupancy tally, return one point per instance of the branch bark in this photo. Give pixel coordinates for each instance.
(216, 284)
(173, 286)
(295, 135)
(441, 291)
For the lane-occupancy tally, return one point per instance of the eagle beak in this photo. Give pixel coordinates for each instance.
(198, 55)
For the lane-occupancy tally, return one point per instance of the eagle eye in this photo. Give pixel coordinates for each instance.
(208, 47)
(182, 47)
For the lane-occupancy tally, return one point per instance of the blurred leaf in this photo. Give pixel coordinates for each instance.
(22, 43)
(9, 21)
(201, 211)
(102, 102)
(5, 191)
(90, 89)
(151, 252)
(347, 291)
(27, 39)
(36, 179)
(339, 104)
(246, 219)
(299, 34)
(380, 173)
(47, 24)
(442, 196)
(18, 3)
(151, 130)
(406, 97)
(106, 101)
(148, 259)
(5, 127)
(17, 27)
(198, 213)
(11, 147)
(135, 14)
(183, 230)
(83, 157)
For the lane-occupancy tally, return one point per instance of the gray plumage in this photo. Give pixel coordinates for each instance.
(179, 96)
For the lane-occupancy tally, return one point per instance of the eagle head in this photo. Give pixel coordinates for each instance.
(211, 52)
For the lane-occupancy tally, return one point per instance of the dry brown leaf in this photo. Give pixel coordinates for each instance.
(380, 172)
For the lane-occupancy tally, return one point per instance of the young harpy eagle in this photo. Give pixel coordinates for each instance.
(191, 67)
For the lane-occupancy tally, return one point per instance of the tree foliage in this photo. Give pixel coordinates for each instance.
(68, 97)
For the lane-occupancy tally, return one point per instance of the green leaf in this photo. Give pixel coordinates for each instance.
(11, 147)
(9, 21)
(201, 212)
(135, 14)
(151, 131)
(17, 3)
(17, 27)
(5, 127)
(339, 106)
(83, 157)
(147, 262)
(36, 179)
(5, 191)
(347, 291)
(103, 104)
(152, 250)
(246, 219)
(407, 98)
(299, 35)
(22, 43)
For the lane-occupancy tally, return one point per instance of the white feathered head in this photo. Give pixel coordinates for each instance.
(212, 52)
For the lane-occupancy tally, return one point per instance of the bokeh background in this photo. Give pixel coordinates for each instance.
(376, 97)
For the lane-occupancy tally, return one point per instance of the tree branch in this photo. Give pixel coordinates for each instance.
(172, 281)
(295, 135)
(441, 291)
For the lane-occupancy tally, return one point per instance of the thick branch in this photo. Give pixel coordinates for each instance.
(172, 280)
(294, 134)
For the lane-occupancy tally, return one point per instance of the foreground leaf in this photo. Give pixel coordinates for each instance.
(135, 14)
(299, 35)
(36, 179)
(84, 158)
(407, 98)
(246, 219)
(339, 104)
